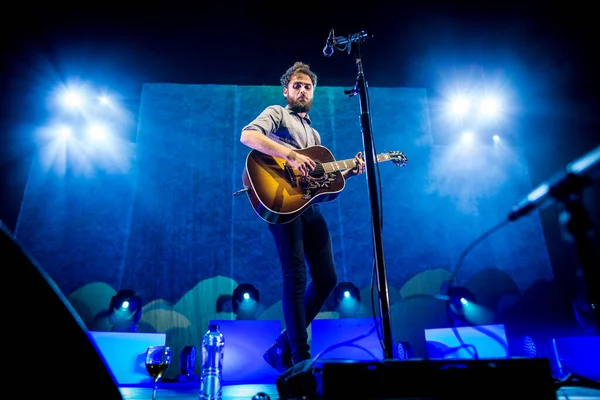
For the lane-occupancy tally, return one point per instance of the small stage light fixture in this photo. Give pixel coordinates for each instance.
(459, 300)
(345, 290)
(347, 300)
(125, 311)
(245, 301)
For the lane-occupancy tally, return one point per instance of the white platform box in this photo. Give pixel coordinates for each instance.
(330, 332)
(245, 344)
(125, 353)
(467, 342)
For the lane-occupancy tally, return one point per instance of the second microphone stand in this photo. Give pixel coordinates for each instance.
(578, 229)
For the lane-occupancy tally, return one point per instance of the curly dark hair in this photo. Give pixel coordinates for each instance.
(298, 68)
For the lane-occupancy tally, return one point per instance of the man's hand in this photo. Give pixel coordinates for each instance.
(358, 169)
(301, 162)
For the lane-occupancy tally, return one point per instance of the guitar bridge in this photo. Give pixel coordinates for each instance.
(291, 175)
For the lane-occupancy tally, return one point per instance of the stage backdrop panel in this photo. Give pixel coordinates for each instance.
(169, 227)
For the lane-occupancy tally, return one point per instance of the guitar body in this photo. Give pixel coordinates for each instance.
(279, 194)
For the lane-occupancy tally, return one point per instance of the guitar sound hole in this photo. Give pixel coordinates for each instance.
(317, 172)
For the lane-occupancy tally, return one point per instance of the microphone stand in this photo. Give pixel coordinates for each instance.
(575, 222)
(577, 225)
(365, 120)
(579, 229)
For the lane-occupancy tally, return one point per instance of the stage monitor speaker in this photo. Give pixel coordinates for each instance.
(46, 349)
(418, 379)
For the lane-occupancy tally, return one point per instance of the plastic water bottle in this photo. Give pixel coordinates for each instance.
(213, 344)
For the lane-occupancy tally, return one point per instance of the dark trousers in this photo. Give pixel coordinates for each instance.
(301, 243)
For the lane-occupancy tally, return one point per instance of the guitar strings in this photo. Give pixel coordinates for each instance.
(319, 170)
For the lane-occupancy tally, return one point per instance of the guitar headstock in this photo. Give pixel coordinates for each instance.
(398, 158)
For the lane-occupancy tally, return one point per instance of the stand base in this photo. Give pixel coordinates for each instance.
(422, 379)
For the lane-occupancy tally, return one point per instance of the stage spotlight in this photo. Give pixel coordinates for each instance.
(65, 132)
(72, 99)
(347, 300)
(467, 137)
(97, 132)
(244, 301)
(460, 300)
(346, 290)
(125, 311)
(460, 105)
(490, 107)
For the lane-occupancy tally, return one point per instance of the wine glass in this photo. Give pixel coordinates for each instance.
(158, 359)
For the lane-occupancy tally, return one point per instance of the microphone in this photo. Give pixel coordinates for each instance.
(328, 49)
(577, 174)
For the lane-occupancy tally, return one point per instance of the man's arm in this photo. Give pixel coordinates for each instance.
(347, 173)
(255, 137)
(259, 141)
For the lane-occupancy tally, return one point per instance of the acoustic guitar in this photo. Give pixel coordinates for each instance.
(279, 194)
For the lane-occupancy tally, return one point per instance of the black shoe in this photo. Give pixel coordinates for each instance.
(278, 357)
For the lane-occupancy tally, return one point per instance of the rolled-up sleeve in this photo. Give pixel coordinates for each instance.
(268, 121)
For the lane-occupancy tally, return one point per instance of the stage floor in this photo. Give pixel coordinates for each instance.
(239, 392)
(190, 391)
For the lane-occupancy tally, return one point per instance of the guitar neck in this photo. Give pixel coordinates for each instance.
(350, 163)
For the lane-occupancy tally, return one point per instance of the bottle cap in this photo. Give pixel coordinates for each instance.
(213, 327)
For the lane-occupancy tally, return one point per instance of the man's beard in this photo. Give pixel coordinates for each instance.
(300, 106)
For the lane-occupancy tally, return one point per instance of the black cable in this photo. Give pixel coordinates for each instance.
(452, 280)
(460, 347)
(377, 330)
(478, 328)
(346, 344)
(473, 244)
(373, 275)
(350, 343)
(492, 335)
(575, 380)
(463, 345)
